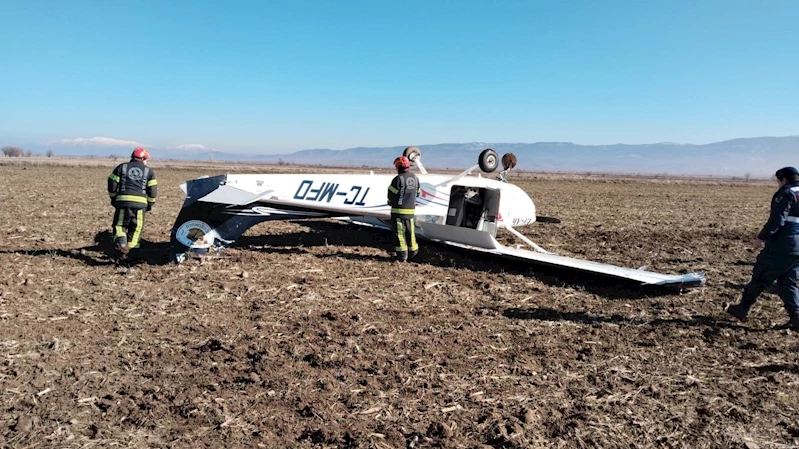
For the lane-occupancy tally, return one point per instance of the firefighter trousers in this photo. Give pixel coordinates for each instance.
(128, 224)
(404, 230)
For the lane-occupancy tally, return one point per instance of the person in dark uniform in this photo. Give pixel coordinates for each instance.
(133, 188)
(402, 195)
(779, 259)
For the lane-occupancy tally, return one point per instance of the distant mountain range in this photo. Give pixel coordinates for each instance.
(758, 157)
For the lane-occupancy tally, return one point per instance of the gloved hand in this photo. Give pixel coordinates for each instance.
(149, 207)
(113, 203)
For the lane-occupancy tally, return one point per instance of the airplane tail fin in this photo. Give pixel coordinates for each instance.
(215, 214)
(212, 216)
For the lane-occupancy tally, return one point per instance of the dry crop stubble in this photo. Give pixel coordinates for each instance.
(308, 335)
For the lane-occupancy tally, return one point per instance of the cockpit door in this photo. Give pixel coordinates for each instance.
(474, 208)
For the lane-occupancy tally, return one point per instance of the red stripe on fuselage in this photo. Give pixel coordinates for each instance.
(426, 194)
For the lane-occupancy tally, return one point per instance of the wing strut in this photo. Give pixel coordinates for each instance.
(417, 160)
(532, 244)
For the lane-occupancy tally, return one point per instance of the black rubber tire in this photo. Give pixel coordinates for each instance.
(508, 161)
(412, 153)
(488, 160)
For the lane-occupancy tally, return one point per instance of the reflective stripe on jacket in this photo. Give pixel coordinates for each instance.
(781, 231)
(133, 185)
(402, 194)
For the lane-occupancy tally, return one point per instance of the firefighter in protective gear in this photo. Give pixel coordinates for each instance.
(133, 188)
(402, 195)
(779, 259)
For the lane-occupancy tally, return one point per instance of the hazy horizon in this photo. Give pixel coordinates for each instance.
(758, 157)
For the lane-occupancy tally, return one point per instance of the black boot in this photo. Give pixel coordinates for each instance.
(739, 311)
(401, 256)
(121, 244)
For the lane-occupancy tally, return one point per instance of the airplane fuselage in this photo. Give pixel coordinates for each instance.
(356, 194)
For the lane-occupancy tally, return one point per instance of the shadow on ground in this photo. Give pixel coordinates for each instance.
(103, 252)
(777, 368)
(327, 233)
(546, 314)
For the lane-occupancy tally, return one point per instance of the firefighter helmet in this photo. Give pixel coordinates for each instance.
(402, 162)
(140, 153)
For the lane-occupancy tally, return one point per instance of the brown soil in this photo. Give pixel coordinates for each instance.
(307, 335)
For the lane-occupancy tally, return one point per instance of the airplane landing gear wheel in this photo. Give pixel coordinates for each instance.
(508, 161)
(488, 160)
(412, 153)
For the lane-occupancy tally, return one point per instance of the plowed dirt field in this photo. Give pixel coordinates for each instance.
(307, 335)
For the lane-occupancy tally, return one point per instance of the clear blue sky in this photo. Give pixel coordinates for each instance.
(275, 76)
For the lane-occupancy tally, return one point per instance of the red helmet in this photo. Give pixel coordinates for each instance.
(402, 162)
(140, 153)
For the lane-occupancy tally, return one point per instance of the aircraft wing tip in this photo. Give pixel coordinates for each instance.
(696, 279)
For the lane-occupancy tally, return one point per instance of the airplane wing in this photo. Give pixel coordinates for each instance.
(485, 243)
(481, 242)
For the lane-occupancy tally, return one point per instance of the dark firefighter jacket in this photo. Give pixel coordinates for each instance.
(132, 185)
(781, 231)
(402, 194)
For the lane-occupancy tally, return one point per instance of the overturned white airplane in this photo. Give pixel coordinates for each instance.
(463, 211)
